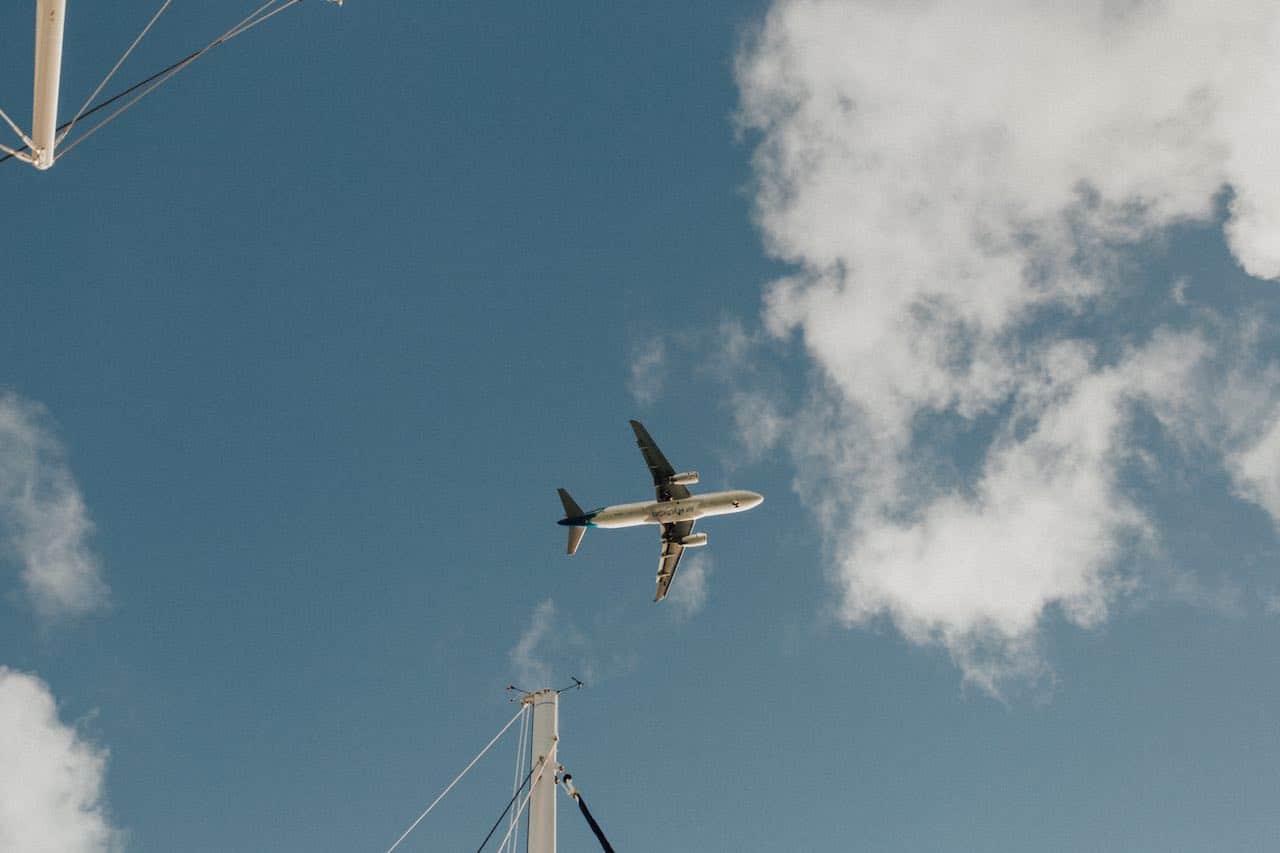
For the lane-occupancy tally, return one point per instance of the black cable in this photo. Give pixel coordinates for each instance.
(595, 827)
(498, 822)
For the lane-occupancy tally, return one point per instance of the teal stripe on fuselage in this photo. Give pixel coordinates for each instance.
(580, 520)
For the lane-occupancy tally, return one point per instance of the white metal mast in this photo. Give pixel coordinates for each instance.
(50, 17)
(542, 797)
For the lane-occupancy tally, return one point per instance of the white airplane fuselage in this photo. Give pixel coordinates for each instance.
(675, 510)
(669, 512)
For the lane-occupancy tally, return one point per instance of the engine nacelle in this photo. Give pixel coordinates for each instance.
(684, 478)
(694, 540)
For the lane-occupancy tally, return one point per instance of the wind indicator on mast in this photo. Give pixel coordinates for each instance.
(539, 717)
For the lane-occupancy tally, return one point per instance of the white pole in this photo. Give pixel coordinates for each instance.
(542, 798)
(50, 16)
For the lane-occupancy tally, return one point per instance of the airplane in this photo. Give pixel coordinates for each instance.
(676, 509)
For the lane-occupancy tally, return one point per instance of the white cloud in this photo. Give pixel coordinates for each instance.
(528, 655)
(690, 588)
(51, 778)
(1242, 420)
(759, 421)
(1043, 526)
(1255, 469)
(952, 127)
(43, 516)
(949, 180)
(648, 365)
(550, 649)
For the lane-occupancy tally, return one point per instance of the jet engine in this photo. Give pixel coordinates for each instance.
(685, 478)
(694, 540)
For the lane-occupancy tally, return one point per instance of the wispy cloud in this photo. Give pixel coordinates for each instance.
(43, 517)
(648, 372)
(690, 588)
(1255, 468)
(759, 421)
(51, 777)
(550, 649)
(528, 656)
(951, 183)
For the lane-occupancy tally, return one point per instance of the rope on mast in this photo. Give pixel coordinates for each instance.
(595, 827)
(457, 778)
(567, 781)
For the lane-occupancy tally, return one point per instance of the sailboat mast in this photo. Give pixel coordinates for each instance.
(50, 17)
(542, 799)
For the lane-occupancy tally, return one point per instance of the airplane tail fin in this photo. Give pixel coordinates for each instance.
(575, 539)
(571, 508)
(572, 511)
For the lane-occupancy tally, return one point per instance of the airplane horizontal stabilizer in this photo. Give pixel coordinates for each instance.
(575, 539)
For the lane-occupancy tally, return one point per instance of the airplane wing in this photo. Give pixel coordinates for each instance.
(671, 551)
(661, 470)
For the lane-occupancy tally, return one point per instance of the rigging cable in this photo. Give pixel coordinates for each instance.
(488, 746)
(255, 18)
(522, 754)
(245, 25)
(21, 135)
(510, 803)
(117, 96)
(545, 761)
(62, 134)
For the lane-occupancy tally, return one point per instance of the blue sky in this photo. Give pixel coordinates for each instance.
(295, 353)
